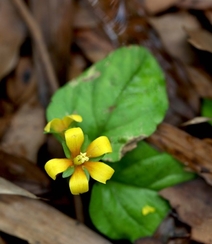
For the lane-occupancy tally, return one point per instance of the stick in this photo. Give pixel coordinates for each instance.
(39, 42)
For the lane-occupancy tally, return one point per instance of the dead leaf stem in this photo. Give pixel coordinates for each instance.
(39, 42)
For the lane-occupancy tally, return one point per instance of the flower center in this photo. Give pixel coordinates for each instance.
(81, 158)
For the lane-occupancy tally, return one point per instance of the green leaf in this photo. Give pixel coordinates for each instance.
(145, 167)
(207, 108)
(122, 97)
(117, 211)
(134, 185)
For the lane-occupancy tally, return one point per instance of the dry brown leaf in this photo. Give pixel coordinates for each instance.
(23, 173)
(148, 240)
(199, 38)
(196, 120)
(56, 30)
(2, 241)
(170, 28)
(37, 222)
(12, 34)
(4, 124)
(94, 45)
(192, 152)
(195, 4)
(154, 7)
(78, 65)
(22, 85)
(208, 15)
(6, 187)
(25, 133)
(201, 81)
(84, 17)
(192, 201)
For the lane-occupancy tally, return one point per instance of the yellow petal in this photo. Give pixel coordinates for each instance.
(78, 182)
(99, 171)
(56, 166)
(55, 125)
(74, 139)
(98, 147)
(59, 125)
(75, 117)
(67, 120)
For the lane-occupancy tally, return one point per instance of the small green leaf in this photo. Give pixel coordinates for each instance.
(122, 97)
(117, 211)
(68, 172)
(133, 187)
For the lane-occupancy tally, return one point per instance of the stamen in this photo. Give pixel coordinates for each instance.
(81, 158)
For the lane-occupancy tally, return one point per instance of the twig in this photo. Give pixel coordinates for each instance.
(39, 42)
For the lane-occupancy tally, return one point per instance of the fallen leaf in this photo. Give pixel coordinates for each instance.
(94, 45)
(200, 80)
(195, 4)
(21, 85)
(23, 173)
(208, 15)
(192, 152)
(25, 135)
(192, 201)
(200, 38)
(84, 17)
(148, 240)
(37, 222)
(6, 187)
(4, 124)
(12, 33)
(2, 241)
(170, 28)
(170, 229)
(77, 66)
(196, 120)
(56, 28)
(154, 7)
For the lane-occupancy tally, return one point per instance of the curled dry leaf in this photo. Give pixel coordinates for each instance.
(12, 32)
(6, 187)
(192, 201)
(201, 39)
(170, 28)
(38, 222)
(192, 152)
(196, 120)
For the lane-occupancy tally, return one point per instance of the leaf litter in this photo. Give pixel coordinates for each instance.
(74, 42)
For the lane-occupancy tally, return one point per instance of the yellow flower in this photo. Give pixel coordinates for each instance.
(81, 162)
(60, 125)
(147, 210)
